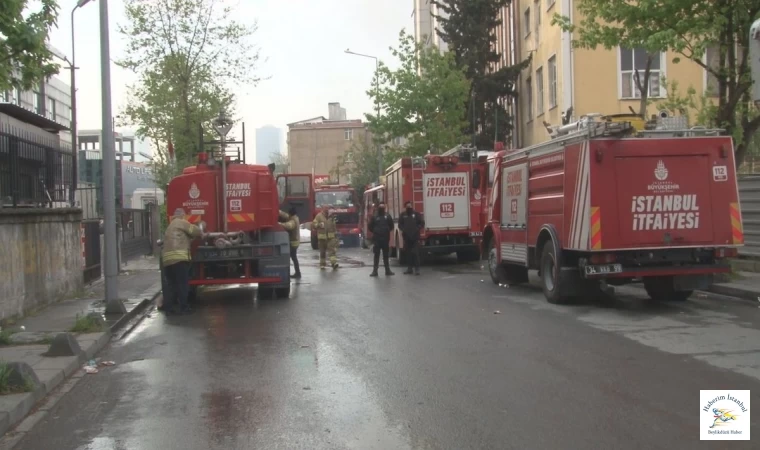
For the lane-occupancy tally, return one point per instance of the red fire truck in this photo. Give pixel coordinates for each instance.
(236, 206)
(342, 201)
(447, 190)
(373, 196)
(605, 202)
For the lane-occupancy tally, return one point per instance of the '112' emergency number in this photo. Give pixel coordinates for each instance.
(447, 210)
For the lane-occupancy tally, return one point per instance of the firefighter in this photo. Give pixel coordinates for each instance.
(381, 226)
(293, 226)
(324, 223)
(175, 258)
(410, 223)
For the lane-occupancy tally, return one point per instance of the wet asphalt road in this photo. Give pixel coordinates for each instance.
(351, 362)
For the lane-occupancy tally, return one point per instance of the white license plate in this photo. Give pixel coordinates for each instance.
(604, 269)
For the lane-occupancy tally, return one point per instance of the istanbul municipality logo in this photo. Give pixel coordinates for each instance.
(724, 415)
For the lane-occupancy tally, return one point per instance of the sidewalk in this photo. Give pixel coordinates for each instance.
(29, 338)
(745, 286)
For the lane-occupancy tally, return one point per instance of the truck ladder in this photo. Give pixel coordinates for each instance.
(418, 198)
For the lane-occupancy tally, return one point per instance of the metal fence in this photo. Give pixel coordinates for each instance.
(749, 196)
(135, 225)
(35, 171)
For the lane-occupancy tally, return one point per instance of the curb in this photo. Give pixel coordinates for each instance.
(741, 294)
(135, 311)
(44, 394)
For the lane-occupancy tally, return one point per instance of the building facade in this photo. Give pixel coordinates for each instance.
(51, 100)
(425, 24)
(316, 145)
(268, 140)
(124, 144)
(566, 81)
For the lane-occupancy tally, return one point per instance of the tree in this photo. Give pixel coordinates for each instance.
(187, 53)
(467, 27)
(689, 28)
(361, 163)
(423, 100)
(281, 162)
(25, 59)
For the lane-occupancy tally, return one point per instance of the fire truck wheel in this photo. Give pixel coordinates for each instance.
(550, 280)
(497, 271)
(661, 289)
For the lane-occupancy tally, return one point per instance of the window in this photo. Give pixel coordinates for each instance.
(348, 134)
(537, 18)
(539, 91)
(529, 98)
(632, 60)
(36, 102)
(526, 22)
(51, 109)
(15, 96)
(552, 82)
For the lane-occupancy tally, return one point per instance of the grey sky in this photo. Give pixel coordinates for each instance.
(302, 41)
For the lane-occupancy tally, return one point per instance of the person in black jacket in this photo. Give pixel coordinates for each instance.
(410, 223)
(381, 226)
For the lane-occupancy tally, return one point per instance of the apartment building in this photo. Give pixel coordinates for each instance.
(425, 24)
(315, 145)
(588, 81)
(51, 100)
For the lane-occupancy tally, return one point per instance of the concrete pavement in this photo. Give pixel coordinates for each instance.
(446, 360)
(32, 335)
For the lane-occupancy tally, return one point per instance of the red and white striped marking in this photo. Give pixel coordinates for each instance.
(580, 222)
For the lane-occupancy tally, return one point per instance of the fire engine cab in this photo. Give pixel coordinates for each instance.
(446, 190)
(604, 201)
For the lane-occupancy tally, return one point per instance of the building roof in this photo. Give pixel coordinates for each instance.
(31, 117)
(327, 124)
(317, 119)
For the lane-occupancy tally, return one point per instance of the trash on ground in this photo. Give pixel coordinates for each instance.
(238, 397)
(304, 346)
(482, 281)
(90, 369)
(23, 328)
(497, 312)
(306, 388)
(107, 363)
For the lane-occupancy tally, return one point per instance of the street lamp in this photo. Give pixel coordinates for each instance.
(377, 108)
(222, 125)
(74, 146)
(113, 304)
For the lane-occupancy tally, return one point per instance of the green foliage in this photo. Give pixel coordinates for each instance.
(187, 53)
(361, 164)
(6, 337)
(689, 28)
(24, 57)
(5, 386)
(467, 27)
(87, 324)
(423, 100)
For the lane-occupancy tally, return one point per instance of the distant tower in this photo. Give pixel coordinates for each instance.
(267, 142)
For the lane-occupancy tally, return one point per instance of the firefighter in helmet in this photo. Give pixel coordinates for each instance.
(324, 223)
(292, 225)
(175, 259)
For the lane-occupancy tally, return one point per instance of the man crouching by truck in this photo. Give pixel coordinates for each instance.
(175, 258)
(293, 226)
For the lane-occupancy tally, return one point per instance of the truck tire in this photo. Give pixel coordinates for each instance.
(281, 293)
(661, 289)
(498, 274)
(314, 243)
(550, 279)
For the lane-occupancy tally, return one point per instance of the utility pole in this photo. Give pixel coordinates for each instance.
(74, 137)
(113, 303)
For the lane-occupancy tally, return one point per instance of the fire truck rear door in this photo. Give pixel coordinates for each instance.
(446, 200)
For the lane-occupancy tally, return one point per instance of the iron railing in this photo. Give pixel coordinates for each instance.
(35, 170)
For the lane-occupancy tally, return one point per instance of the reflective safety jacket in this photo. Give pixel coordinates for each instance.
(177, 239)
(293, 226)
(325, 227)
